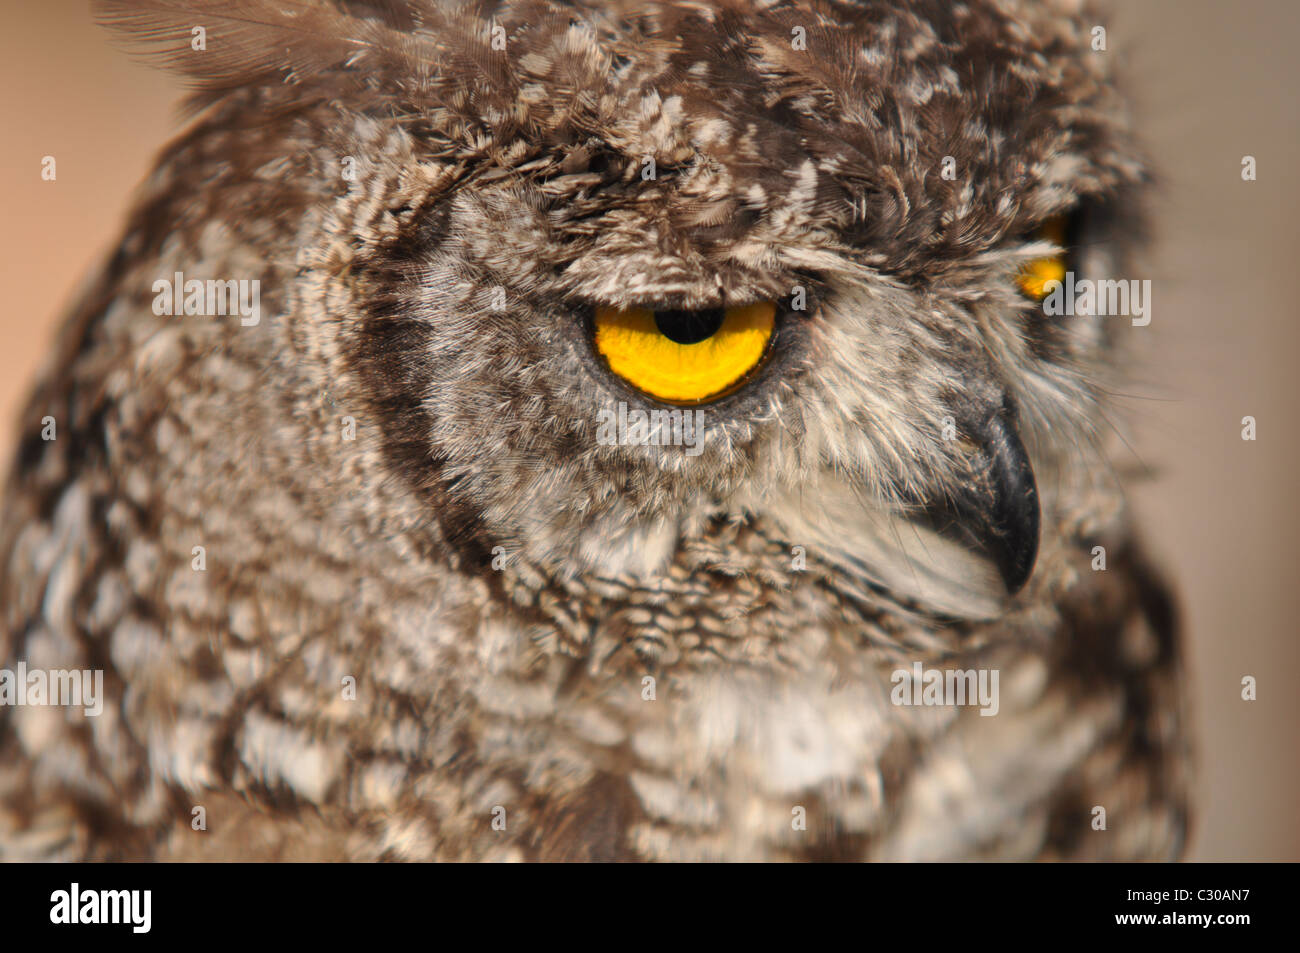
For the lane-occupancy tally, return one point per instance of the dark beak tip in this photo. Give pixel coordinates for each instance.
(1009, 525)
(1018, 557)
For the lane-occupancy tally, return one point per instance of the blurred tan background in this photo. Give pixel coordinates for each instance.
(1213, 80)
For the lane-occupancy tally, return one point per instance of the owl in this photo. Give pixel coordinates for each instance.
(598, 431)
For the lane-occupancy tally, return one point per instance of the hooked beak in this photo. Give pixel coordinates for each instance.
(960, 554)
(995, 511)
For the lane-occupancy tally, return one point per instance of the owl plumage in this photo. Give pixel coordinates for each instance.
(364, 583)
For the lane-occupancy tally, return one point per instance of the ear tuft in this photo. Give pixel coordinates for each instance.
(222, 44)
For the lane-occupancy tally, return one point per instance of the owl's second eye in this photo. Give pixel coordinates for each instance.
(684, 356)
(1035, 275)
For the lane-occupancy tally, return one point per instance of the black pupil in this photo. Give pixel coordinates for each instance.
(689, 327)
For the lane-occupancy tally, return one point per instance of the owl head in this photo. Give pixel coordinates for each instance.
(599, 276)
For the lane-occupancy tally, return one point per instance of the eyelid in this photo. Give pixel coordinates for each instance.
(1037, 272)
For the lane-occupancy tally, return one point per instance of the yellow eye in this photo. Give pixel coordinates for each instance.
(684, 356)
(1036, 273)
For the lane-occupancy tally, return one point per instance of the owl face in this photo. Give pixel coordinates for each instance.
(821, 231)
